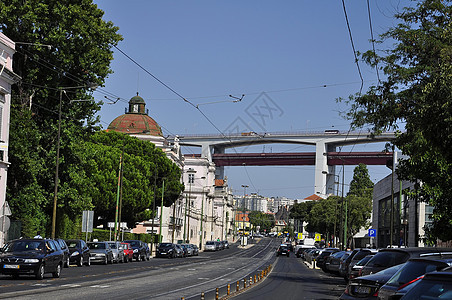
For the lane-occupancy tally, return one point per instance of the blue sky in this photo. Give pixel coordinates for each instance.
(298, 53)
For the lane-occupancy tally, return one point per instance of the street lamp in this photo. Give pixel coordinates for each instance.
(243, 208)
(202, 214)
(55, 192)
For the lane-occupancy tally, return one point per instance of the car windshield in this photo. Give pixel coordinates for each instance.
(361, 254)
(165, 245)
(388, 258)
(431, 289)
(134, 243)
(73, 244)
(96, 245)
(364, 261)
(24, 246)
(112, 245)
(210, 243)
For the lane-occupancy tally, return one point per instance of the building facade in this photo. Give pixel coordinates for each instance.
(7, 79)
(410, 215)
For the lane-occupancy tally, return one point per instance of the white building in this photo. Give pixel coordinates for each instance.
(201, 213)
(7, 78)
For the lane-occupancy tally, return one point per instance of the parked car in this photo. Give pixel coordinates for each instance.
(180, 251)
(188, 249)
(355, 271)
(140, 250)
(167, 250)
(226, 244)
(283, 249)
(411, 271)
(128, 252)
(100, 252)
(195, 250)
(332, 262)
(393, 256)
(211, 246)
(434, 285)
(31, 257)
(366, 287)
(320, 259)
(357, 256)
(65, 249)
(79, 252)
(300, 250)
(312, 254)
(118, 251)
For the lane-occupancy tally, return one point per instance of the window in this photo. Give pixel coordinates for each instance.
(191, 178)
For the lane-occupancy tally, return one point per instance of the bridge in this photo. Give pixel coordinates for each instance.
(325, 157)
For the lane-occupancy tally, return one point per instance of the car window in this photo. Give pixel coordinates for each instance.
(210, 243)
(134, 243)
(72, 244)
(22, 246)
(361, 254)
(96, 245)
(431, 289)
(112, 245)
(52, 245)
(388, 258)
(412, 270)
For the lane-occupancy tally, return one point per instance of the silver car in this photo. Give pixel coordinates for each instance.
(210, 246)
(118, 251)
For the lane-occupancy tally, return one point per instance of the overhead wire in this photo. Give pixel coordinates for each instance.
(185, 100)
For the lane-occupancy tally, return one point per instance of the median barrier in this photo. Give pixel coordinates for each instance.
(258, 277)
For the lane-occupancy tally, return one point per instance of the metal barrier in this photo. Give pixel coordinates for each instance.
(246, 285)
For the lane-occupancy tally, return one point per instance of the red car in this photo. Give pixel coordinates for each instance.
(128, 252)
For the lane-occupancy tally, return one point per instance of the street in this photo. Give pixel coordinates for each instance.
(186, 278)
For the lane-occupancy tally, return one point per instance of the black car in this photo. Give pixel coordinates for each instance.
(79, 252)
(31, 257)
(320, 259)
(393, 256)
(166, 250)
(283, 249)
(63, 246)
(140, 250)
(357, 256)
(412, 270)
(434, 285)
(366, 287)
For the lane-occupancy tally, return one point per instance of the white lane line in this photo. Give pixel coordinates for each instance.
(71, 285)
(100, 286)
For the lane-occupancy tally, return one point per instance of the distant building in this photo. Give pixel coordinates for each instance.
(7, 78)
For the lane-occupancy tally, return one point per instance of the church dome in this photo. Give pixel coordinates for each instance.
(136, 120)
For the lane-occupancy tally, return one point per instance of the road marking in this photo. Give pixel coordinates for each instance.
(71, 285)
(191, 269)
(41, 284)
(100, 286)
(201, 278)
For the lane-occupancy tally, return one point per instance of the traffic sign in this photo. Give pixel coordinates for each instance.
(318, 237)
(372, 233)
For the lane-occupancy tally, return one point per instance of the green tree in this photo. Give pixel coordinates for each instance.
(145, 167)
(416, 92)
(265, 221)
(64, 44)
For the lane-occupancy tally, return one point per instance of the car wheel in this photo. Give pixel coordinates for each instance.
(106, 260)
(80, 261)
(111, 260)
(138, 258)
(15, 276)
(66, 263)
(88, 262)
(40, 273)
(126, 259)
(57, 272)
(148, 257)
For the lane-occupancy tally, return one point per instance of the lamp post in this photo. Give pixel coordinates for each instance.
(161, 211)
(202, 215)
(191, 179)
(55, 192)
(244, 186)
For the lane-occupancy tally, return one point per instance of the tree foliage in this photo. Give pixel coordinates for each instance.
(417, 92)
(323, 216)
(265, 221)
(64, 48)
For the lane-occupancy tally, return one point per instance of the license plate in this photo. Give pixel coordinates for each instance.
(362, 290)
(10, 266)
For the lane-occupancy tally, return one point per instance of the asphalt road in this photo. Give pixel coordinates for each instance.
(292, 279)
(187, 278)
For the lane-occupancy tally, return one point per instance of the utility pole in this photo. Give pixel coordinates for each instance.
(161, 211)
